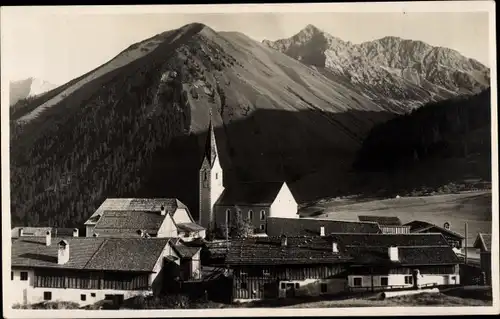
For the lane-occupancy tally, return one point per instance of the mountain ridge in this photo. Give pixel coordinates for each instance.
(28, 88)
(404, 73)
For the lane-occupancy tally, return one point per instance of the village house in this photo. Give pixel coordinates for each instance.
(279, 267)
(143, 217)
(394, 261)
(388, 224)
(86, 270)
(252, 201)
(277, 226)
(483, 243)
(454, 239)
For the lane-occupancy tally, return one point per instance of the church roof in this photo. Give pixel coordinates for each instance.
(250, 193)
(210, 152)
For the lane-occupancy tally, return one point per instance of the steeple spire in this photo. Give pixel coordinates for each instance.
(211, 144)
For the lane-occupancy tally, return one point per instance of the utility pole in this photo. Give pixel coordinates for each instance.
(465, 244)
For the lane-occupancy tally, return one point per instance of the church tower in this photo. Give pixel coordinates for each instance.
(210, 180)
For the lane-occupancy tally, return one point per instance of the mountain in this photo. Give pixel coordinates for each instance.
(28, 88)
(404, 74)
(136, 126)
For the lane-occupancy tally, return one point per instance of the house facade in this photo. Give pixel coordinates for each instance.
(388, 224)
(86, 270)
(220, 206)
(454, 239)
(483, 243)
(143, 217)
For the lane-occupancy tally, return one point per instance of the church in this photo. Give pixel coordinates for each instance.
(254, 201)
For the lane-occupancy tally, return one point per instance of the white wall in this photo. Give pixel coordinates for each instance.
(167, 228)
(312, 287)
(196, 265)
(89, 230)
(399, 280)
(181, 216)
(284, 205)
(216, 183)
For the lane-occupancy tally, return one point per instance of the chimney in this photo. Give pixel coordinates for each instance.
(446, 225)
(322, 231)
(284, 241)
(62, 252)
(75, 232)
(335, 247)
(163, 212)
(21, 232)
(48, 238)
(140, 232)
(96, 235)
(393, 253)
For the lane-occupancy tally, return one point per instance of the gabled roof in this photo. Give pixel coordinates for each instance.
(250, 193)
(419, 226)
(269, 251)
(189, 227)
(185, 251)
(311, 226)
(90, 253)
(129, 221)
(483, 242)
(136, 204)
(355, 249)
(381, 220)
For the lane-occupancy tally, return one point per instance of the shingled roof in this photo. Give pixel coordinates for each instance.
(129, 222)
(250, 193)
(277, 226)
(483, 242)
(357, 249)
(419, 226)
(90, 253)
(268, 251)
(136, 205)
(381, 220)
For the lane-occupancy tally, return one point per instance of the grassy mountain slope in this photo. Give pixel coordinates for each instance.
(136, 125)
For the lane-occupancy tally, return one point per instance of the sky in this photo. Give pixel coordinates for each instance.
(58, 46)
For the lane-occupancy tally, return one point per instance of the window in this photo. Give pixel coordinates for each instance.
(216, 175)
(243, 285)
(92, 294)
(262, 215)
(205, 175)
(357, 282)
(228, 215)
(250, 214)
(409, 280)
(83, 297)
(297, 285)
(11, 275)
(384, 281)
(283, 286)
(47, 295)
(24, 275)
(324, 288)
(262, 227)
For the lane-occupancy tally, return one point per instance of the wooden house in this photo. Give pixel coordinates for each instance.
(454, 239)
(277, 226)
(280, 267)
(143, 217)
(388, 224)
(398, 261)
(90, 269)
(274, 267)
(483, 243)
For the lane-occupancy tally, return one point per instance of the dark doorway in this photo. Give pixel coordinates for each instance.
(290, 290)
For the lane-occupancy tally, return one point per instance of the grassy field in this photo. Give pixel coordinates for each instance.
(471, 207)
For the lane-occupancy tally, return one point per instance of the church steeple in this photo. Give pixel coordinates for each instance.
(210, 153)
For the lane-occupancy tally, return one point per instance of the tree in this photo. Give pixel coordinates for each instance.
(241, 228)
